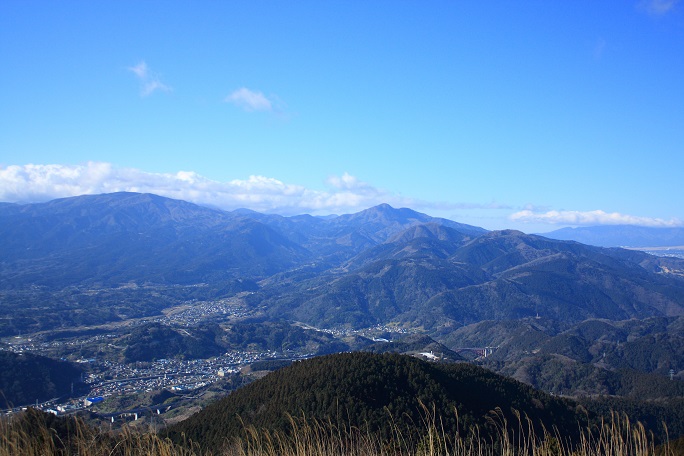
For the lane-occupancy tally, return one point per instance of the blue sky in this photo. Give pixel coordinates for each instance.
(529, 115)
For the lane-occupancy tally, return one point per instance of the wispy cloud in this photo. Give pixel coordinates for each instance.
(588, 218)
(658, 7)
(250, 100)
(149, 82)
(347, 182)
(140, 70)
(599, 48)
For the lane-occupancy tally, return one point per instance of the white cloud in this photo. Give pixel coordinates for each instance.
(348, 183)
(140, 70)
(587, 218)
(36, 183)
(149, 82)
(249, 100)
(345, 193)
(151, 86)
(658, 7)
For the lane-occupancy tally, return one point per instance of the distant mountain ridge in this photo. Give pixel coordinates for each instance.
(125, 230)
(621, 236)
(439, 285)
(378, 266)
(121, 237)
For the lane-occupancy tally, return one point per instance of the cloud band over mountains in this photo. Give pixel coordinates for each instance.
(344, 194)
(590, 218)
(37, 183)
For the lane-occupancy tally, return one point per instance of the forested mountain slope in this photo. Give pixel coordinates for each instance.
(380, 393)
(129, 254)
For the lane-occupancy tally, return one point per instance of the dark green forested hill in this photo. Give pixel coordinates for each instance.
(630, 358)
(156, 341)
(263, 335)
(373, 391)
(25, 378)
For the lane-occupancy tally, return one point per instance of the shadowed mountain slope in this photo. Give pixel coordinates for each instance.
(437, 279)
(121, 237)
(26, 378)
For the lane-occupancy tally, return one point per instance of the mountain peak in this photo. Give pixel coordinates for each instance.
(383, 207)
(387, 209)
(386, 213)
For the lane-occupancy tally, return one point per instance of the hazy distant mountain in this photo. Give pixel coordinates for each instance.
(121, 237)
(621, 236)
(337, 238)
(381, 222)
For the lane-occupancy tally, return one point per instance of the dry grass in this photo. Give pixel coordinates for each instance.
(32, 435)
(617, 436)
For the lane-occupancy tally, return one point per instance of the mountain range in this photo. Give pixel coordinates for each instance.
(113, 238)
(113, 256)
(562, 316)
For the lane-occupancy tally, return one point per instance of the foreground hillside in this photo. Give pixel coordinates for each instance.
(36, 433)
(359, 403)
(379, 393)
(128, 279)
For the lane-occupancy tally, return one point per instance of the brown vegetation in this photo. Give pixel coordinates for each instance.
(34, 433)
